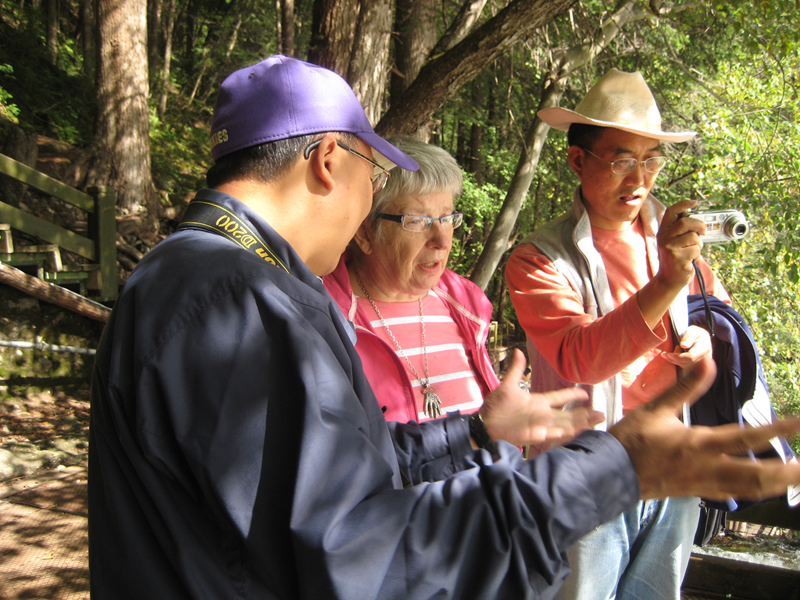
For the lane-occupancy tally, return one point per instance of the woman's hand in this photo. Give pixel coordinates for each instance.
(512, 414)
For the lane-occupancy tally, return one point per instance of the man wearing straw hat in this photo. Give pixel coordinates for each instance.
(601, 294)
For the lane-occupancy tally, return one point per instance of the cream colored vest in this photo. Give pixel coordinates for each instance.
(567, 242)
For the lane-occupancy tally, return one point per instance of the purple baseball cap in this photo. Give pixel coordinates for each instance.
(283, 97)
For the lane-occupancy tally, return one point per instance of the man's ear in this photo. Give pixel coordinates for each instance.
(365, 237)
(575, 157)
(321, 162)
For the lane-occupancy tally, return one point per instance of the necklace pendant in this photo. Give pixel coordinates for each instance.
(433, 404)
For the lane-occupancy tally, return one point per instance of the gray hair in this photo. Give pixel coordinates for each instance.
(438, 172)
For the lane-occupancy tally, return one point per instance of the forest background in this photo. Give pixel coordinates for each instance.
(125, 88)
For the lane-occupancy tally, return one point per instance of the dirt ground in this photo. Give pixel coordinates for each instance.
(43, 504)
(43, 430)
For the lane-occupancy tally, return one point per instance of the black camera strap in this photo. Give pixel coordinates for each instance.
(702, 282)
(209, 216)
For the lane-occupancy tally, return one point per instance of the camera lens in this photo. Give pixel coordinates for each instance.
(735, 227)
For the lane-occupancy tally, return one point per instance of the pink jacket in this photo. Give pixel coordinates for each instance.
(386, 372)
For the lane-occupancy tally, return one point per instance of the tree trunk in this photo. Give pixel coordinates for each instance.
(189, 27)
(123, 124)
(564, 63)
(333, 30)
(444, 74)
(461, 144)
(287, 27)
(87, 39)
(415, 37)
(475, 164)
(463, 23)
(352, 39)
(169, 28)
(52, 30)
(497, 243)
(154, 8)
(368, 71)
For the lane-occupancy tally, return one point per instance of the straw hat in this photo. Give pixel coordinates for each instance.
(620, 100)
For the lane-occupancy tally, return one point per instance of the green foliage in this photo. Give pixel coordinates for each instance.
(751, 162)
(179, 155)
(8, 110)
(49, 99)
(479, 203)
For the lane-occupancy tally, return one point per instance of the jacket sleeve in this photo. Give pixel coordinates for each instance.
(305, 471)
(580, 347)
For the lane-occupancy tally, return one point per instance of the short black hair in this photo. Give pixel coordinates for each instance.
(265, 162)
(583, 135)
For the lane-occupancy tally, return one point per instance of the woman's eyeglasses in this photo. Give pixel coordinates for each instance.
(420, 223)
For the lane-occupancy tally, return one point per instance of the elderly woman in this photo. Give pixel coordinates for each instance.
(421, 328)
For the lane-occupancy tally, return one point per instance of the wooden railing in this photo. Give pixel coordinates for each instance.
(99, 204)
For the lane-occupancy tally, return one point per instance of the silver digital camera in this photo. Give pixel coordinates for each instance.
(722, 225)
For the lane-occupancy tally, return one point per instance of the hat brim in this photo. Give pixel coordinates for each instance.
(562, 118)
(387, 155)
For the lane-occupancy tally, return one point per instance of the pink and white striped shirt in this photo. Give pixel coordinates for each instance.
(452, 375)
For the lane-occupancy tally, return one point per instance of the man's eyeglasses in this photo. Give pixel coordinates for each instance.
(420, 223)
(379, 174)
(623, 166)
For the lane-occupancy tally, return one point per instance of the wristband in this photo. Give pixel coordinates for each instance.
(477, 429)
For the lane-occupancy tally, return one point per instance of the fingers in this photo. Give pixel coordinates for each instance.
(750, 479)
(694, 382)
(735, 441)
(677, 211)
(516, 368)
(570, 420)
(565, 396)
(578, 419)
(695, 344)
(578, 414)
(676, 223)
(696, 338)
(528, 419)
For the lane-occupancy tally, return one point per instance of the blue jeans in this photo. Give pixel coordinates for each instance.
(640, 555)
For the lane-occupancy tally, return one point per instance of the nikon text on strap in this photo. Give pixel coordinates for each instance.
(202, 214)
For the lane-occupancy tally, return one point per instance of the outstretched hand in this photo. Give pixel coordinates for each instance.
(523, 419)
(674, 460)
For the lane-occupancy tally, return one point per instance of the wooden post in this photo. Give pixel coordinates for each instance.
(103, 230)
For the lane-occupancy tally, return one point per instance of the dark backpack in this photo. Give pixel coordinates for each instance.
(739, 394)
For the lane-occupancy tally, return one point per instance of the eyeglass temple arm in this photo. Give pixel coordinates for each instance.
(396, 218)
(310, 148)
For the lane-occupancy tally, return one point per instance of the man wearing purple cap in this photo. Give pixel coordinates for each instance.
(237, 450)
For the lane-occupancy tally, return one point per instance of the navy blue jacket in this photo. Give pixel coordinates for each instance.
(237, 451)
